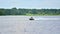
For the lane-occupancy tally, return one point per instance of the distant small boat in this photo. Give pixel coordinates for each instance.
(31, 18)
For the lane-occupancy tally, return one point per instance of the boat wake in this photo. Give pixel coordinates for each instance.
(47, 18)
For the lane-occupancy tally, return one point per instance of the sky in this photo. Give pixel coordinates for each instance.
(55, 4)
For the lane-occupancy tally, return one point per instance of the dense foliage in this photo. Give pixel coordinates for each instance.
(15, 11)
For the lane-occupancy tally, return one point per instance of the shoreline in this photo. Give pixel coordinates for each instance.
(29, 15)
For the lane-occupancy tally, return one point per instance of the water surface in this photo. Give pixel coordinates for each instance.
(22, 25)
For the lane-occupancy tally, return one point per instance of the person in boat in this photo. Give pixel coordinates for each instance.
(31, 18)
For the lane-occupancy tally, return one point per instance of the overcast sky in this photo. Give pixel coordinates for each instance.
(30, 3)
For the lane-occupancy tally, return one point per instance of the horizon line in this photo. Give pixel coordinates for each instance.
(28, 8)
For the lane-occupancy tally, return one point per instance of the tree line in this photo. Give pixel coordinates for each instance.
(20, 11)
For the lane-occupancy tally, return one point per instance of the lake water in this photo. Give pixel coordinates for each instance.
(22, 25)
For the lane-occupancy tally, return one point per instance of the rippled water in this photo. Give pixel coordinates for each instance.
(22, 25)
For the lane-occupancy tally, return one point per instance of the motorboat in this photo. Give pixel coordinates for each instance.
(31, 18)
